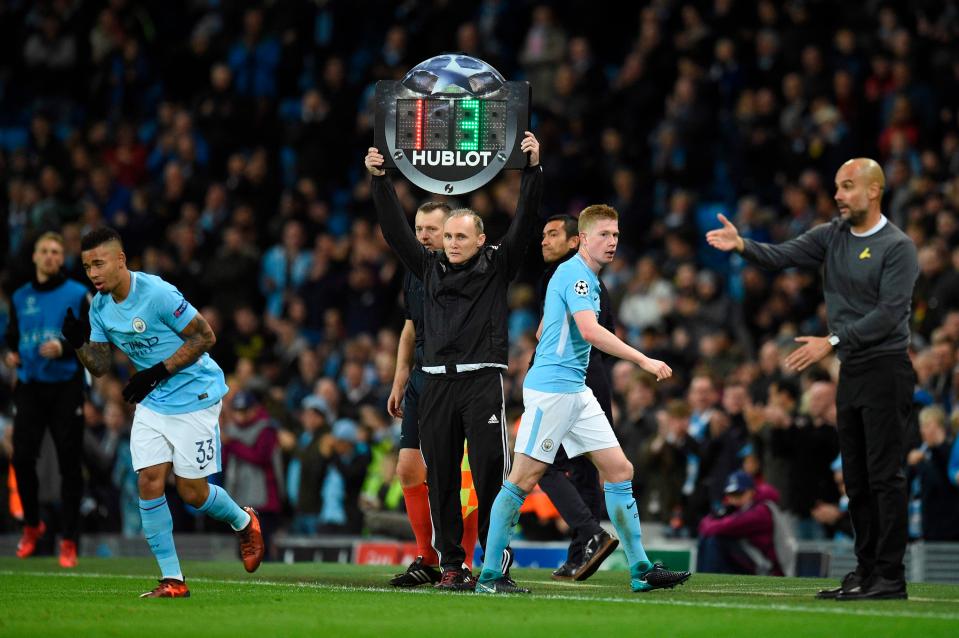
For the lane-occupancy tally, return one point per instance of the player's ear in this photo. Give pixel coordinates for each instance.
(481, 239)
(122, 258)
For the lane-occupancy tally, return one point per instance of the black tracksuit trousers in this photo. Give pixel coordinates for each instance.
(455, 408)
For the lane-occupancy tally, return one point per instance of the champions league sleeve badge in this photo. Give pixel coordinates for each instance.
(451, 124)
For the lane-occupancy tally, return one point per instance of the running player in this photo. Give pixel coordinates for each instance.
(178, 392)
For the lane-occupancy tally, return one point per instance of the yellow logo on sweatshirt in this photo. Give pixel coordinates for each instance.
(865, 254)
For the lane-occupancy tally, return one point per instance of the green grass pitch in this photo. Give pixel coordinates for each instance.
(321, 600)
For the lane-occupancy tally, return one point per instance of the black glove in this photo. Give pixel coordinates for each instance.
(143, 382)
(75, 331)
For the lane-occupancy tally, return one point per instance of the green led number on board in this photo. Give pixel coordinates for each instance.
(468, 125)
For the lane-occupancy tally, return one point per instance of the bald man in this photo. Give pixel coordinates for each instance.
(869, 269)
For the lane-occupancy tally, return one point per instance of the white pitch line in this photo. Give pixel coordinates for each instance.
(743, 592)
(640, 599)
(560, 583)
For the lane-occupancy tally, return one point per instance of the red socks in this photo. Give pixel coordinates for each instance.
(470, 534)
(418, 511)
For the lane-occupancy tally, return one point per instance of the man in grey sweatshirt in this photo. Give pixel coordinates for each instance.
(869, 269)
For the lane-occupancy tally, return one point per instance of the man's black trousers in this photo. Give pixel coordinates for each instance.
(58, 406)
(453, 408)
(873, 403)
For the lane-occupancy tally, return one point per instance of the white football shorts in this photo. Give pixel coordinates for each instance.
(574, 420)
(190, 441)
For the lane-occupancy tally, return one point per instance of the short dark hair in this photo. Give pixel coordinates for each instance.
(570, 224)
(789, 386)
(431, 207)
(98, 237)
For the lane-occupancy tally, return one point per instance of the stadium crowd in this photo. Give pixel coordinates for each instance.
(225, 143)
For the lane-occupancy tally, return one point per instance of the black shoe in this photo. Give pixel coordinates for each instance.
(597, 549)
(850, 582)
(564, 571)
(456, 580)
(877, 589)
(502, 585)
(658, 577)
(416, 574)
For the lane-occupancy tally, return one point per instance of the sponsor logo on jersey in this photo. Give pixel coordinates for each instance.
(137, 346)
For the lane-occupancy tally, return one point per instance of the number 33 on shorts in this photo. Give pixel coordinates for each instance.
(205, 452)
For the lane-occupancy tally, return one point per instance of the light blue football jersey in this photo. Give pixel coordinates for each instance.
(562, 354)
(146, 327)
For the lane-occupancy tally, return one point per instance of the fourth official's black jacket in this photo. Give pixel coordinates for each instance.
(465, 307)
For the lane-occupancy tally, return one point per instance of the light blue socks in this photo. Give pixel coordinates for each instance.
(220, 506)
(158, 529)
(624, 513)
(503, 517)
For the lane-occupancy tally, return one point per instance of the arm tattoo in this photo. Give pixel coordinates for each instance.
(197, 338)
(96, 357)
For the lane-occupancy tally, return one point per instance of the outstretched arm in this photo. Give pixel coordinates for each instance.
(520, 234)
(807, 251)
(600, 337)
(389, 213)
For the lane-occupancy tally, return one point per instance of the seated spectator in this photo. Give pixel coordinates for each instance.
(664, 463)
(835, 516)
(254, 469)
(125, 481)
(739, 538)
(346, 457)
(304, 473)
(101, 438)
(929, 465)
(807, 443)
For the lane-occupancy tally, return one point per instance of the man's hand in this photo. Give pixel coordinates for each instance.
(529, 145)
(726, 238)
(777, 417)
(12, 359)
(915, 457)
(656, 367)
(326, 445)
(287, 440)
(51, 349)
(812, 350)
(718, 424)
(75, 331)
(826, 513)
(755, 416)
(143, 382)
(394, 405)
(373, 162)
